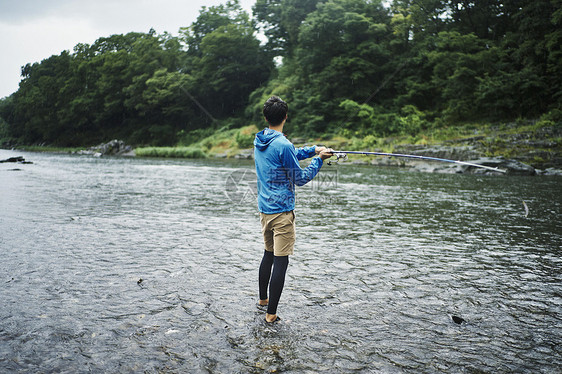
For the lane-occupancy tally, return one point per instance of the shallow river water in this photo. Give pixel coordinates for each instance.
(137, 265)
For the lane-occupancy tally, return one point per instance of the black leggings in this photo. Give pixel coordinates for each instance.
(277, 281)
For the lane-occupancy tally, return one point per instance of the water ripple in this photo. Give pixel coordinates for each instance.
(117, 265)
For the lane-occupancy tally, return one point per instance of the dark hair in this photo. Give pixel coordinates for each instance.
(275, 110)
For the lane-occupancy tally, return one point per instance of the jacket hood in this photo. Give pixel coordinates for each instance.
(264, 138)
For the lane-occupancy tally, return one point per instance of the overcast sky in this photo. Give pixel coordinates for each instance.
(31, 30)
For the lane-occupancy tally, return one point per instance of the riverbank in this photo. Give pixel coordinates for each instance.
(536, 144)
(526, 147)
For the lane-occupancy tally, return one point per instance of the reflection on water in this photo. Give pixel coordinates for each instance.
(126, 265)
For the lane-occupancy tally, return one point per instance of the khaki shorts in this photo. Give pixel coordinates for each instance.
(278, 232)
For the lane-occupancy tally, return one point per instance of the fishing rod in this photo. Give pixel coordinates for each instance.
(343, 155)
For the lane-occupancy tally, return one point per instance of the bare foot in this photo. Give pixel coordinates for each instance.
(263, 302)
(271, 318)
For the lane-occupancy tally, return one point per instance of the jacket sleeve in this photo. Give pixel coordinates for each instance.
(295, 173)
(306, 152)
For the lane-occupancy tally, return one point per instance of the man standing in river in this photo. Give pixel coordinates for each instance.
(278, 171)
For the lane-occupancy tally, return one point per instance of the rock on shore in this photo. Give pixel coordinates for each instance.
(112, 148)
(468, 153)
(512, 167)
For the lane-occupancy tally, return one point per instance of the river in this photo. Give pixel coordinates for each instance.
(148, 265)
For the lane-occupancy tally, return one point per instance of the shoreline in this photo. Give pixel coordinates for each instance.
(535, 148)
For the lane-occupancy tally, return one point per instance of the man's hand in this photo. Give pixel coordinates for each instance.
(325, 153)
(319, 149)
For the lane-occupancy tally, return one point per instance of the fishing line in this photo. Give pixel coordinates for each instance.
(343, 155)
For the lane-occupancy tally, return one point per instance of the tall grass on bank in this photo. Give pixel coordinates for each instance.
(225, 142)
(170, 152)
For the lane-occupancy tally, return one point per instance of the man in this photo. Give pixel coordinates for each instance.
(278, 171)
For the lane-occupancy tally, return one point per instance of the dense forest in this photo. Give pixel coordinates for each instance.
(362, 67)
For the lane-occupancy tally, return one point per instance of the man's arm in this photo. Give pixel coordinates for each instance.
(301, 176)
(306, 152)
(293, 169)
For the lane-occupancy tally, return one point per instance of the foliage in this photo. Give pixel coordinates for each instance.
(363, 69)
(280, 22)
(194, 136)
(245, 136)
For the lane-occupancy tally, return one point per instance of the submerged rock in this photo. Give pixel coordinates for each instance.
(458, 320)
(17, 159)
(13, 159)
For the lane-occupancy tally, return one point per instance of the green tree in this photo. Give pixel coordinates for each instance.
(553, 45)
(225, 61)
(39, 100)
(211, 19)
(487, 19)
(342, 54)
(280, 22)
(232, 65)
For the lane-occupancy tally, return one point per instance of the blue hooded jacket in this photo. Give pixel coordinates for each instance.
(278, 170)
